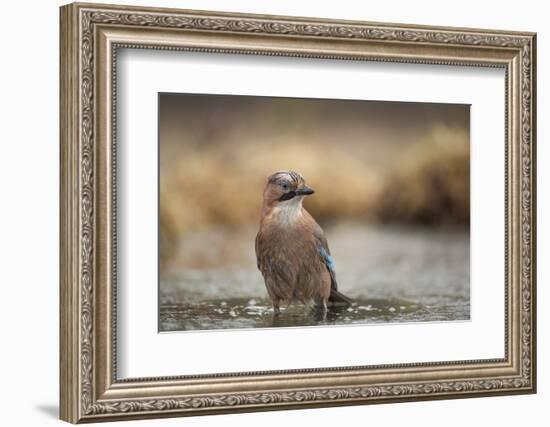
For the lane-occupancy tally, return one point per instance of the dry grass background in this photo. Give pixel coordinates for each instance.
(392, 166)
(430, 182)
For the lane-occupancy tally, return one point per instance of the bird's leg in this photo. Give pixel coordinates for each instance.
(309, 307)
(276, 309)
(325, 309)
(320, 308)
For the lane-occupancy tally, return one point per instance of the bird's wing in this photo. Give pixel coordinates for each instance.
(257, 249)
(324, 253)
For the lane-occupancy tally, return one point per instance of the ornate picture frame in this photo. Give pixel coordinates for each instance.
(90, 37)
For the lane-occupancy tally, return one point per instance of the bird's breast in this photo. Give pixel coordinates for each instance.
(289, 247)
(290, 264)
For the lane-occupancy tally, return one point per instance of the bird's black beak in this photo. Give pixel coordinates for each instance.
(304, 191)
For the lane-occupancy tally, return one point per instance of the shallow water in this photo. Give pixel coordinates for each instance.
(393, 275)
(240, 313)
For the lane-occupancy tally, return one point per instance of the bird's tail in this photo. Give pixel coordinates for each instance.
(337, 298)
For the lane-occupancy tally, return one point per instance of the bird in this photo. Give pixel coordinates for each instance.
(292, 251)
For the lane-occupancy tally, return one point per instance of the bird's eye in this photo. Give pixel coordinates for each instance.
(284, 185)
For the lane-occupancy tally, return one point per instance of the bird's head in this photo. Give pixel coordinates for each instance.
(285, 188)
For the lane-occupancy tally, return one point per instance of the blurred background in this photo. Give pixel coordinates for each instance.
(392, 185)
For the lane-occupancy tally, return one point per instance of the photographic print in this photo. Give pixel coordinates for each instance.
(348, 207)
(279, 212)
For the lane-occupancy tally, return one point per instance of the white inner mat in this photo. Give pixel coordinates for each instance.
(143, 352)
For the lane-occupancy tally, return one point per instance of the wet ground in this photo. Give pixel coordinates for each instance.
(392, 274)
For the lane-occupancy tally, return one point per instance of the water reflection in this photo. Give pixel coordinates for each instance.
(243, 313)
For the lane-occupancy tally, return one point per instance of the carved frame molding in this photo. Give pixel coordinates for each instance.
(90, 37)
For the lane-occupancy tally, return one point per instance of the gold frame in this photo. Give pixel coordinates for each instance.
(90, 36)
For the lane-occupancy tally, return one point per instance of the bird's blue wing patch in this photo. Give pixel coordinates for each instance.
(329, 261)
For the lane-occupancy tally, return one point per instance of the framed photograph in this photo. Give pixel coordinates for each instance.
(265, 212)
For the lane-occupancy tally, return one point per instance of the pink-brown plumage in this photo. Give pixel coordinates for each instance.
(291, 248)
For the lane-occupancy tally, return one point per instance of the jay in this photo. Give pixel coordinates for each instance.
(291, 248)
